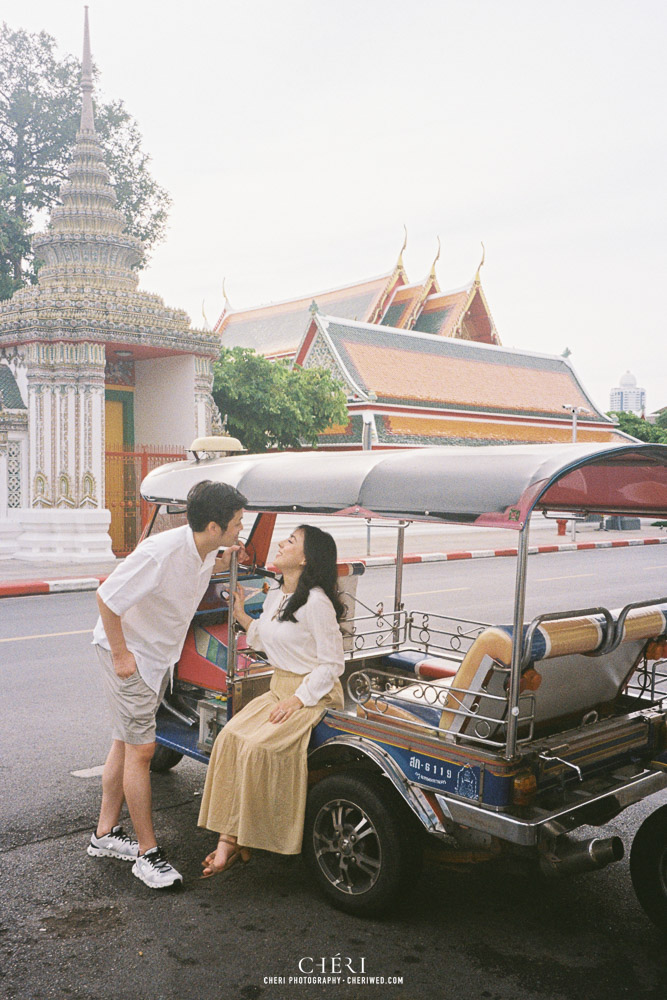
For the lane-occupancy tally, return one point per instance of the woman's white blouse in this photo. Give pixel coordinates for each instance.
(313, 645)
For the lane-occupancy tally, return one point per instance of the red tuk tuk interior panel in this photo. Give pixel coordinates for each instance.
(624, 486)
(204, 658)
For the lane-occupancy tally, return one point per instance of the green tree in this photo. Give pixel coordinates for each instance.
(40, 110)
(272, 405)
(630, 423)
(661, 419)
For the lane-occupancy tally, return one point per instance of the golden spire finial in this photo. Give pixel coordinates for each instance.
(399, 262)
(227, 304)
(437, 258)
(207, 325)
(481, 263)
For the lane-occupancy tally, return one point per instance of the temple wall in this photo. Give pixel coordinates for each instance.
(163, 395)
(66, 421)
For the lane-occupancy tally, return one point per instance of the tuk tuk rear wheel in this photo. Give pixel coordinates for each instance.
(358, 844)
(164, 759)
(648, 866)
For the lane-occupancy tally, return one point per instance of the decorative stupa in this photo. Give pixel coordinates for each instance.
(90, 340)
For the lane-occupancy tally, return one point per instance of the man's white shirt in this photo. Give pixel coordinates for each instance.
(156, 591)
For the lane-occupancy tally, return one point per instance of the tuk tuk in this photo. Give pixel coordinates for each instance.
(476, 738)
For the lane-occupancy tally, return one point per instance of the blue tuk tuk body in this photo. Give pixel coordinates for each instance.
(473, 737)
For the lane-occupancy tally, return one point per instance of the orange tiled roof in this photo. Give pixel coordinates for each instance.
(278, 328)
(407, 367)
(435, 378)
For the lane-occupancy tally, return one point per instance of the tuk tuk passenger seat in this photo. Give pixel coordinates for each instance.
(566, 680)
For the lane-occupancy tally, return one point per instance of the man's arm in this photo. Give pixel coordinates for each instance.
(123, 660)
(223, 561)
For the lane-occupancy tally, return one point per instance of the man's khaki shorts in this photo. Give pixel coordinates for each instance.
(133, 704)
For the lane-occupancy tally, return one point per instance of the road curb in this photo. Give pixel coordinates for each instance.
(389, 560)
(25, 588)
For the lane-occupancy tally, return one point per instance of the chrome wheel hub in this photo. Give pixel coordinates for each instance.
(347, 847)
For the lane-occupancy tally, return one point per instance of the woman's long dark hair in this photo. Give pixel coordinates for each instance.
(320, 570)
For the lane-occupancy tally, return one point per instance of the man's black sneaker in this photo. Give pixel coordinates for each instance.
(116, 844)
(154, 870)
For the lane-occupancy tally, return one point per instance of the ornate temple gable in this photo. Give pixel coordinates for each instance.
(476, 322)
(462, 313)
(318, 351)
(400, 306)
(407, 301)
(10, 394)
(397, 279)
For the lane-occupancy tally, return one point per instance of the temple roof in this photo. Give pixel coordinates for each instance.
(463, 313)
(278, 328)
(421, 369)
(10, 395)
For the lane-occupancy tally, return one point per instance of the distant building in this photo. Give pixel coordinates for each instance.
(627, 397)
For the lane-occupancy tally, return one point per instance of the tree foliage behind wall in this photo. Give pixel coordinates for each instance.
(272, 405)
(630, 423)
(40, 111)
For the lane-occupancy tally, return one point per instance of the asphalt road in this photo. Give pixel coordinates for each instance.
(76, 927)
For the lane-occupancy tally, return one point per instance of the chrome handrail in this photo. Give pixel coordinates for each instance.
(620, 624)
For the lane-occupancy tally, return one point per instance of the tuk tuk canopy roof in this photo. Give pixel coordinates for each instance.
(495, 486)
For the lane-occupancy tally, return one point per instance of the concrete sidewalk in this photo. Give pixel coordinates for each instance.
(423, 543)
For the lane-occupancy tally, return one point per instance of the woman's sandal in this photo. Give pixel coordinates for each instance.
(238, 854)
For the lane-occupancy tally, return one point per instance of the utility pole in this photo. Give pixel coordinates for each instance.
(575, 411)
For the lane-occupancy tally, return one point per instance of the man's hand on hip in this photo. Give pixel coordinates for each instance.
(124, 664)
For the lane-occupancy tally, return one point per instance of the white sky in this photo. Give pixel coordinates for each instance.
(296, 139)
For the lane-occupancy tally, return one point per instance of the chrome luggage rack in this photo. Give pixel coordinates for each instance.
(649, 681)
(422, 630)
(443, 633)
(376, 690)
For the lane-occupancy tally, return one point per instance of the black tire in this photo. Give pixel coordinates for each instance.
(358, 842)
(164, 759)
(648, 866)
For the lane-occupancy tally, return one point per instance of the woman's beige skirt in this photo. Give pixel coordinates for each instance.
(257, 777)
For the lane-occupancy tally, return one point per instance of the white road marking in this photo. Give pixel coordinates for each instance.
(421, 593)
(568, 576)
(46, 635)
(88, 772)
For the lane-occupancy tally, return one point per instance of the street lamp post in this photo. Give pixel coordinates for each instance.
(367, 429)
(575, 411)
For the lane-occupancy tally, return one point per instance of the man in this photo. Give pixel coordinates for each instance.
(146, 606)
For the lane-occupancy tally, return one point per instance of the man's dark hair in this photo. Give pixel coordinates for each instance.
(209, 501)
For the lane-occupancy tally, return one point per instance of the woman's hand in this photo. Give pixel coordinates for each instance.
(240, 615)
(284, 709)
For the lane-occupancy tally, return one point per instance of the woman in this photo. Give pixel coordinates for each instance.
(255, 791)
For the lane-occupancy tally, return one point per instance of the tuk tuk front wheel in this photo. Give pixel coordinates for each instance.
(164, 759)
(357, 842)
(648, 866)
